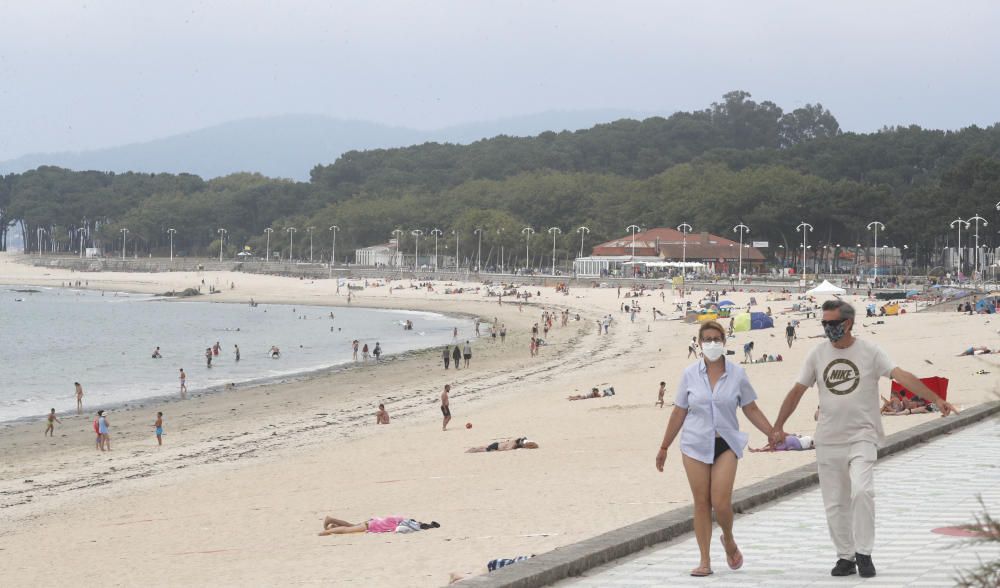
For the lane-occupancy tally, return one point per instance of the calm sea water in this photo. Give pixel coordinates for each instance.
(55, 337)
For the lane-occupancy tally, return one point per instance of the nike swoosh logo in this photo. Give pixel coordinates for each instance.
(839, 382)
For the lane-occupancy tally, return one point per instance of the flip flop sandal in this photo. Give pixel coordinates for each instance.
(735, 562)
(701, 572)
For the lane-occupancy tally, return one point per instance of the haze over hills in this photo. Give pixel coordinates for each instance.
(289, 146)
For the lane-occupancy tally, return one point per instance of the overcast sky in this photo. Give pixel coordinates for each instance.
(89, 73)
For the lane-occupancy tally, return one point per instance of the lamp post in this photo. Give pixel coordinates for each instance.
(124, 233)
(975, 260)
(741, 229)
(959, 222)
(291, 242)
(222, 238)
(416, 248)
(875, 226)
(457, 255)
(583, 231)
(684, 228)
(500, 238)
(555, 231)
(527, 232)
(479, 256)
(333, 249)
(437, 233)
(633, 229)
(398, 258)
(267, 254)
(310, 231)
(169, 231)
(804, 228)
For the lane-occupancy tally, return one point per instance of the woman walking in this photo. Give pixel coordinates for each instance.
(709, 393)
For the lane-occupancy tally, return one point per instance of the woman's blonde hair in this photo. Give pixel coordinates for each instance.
(710, 325)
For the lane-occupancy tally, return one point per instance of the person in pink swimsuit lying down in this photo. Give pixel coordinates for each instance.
(332, 526)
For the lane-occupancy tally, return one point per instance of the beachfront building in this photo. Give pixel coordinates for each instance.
(384, 255)
(662, 250)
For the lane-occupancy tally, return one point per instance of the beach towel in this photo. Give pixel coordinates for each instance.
(495, 564)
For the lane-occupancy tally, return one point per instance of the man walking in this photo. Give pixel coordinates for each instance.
(846, 372)
(790, 334)
(446, 406)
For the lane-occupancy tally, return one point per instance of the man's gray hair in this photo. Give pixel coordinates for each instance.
(846, 310)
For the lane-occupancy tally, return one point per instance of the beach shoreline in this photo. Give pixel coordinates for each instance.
(250, 475)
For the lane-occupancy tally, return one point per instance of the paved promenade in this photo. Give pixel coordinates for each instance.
(787, 544)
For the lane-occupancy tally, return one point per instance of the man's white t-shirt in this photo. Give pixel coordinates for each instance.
(847, 379)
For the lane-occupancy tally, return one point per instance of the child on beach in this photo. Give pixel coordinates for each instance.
(382, 416)
(660, 393)
(158, 427)
(50, 427)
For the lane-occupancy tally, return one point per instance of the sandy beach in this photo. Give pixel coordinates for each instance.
(239, 490)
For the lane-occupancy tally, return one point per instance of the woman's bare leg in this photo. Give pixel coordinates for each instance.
(699, 477)
(344, 530)
(332, 522)
(723, 477)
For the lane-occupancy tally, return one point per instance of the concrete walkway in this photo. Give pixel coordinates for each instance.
(787, 544)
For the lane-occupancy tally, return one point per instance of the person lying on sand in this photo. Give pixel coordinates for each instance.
(981, 350)
(793, 442)
(594, 393)
(897, 405)
(332, 526)
(505, 445)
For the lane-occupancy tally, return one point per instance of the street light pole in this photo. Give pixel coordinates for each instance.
(291, 242)
(583, 231)
(267, 254)
(500, 238)
(527, 232)
(975, 260)
(959, 222)
(555, 231)
(124, 234)
(457, 254)
(875, 226)
(82, 232)
(633, 229)
(479, 256)
(416, 248)
(684, 228)
(398, 234)
(222, 238)
(741, 229)
(437, 233)
(333, 250)
(310, 231)
(170, 231)
(807, 228)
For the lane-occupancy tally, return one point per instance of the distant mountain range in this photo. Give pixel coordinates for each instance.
(288, 146)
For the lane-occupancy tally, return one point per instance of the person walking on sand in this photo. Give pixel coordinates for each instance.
(660, 393)
(456, 356)
(79, 397)
(467, 353)
(790, 334)
(503, 333)
(237, 352)
(354, 346)
(708, 396)
(184, 388)
(50, 428)
(445, 407)
(846, 371)
(446, 356)
(104, 431)
(158, 428)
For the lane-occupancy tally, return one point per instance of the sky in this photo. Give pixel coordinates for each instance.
(86, 74)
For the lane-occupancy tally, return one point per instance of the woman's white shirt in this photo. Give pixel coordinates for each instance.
(712, 412)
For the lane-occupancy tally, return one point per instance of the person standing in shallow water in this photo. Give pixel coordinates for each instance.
(79, 397)
(183, 379)
(710, 392)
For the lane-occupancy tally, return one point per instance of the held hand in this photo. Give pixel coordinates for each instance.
(661, 458)
(777, 436)
(946, 408)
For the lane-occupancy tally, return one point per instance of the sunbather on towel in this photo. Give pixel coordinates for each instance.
(594, 393)
(332, 526)
(505, 445)
(980, 350)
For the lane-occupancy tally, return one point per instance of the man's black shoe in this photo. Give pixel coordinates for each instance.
(866, 569)
(844, 567)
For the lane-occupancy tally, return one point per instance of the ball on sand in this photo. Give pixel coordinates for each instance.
(468, 425)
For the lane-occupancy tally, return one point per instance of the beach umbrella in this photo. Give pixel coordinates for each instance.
(727, 303)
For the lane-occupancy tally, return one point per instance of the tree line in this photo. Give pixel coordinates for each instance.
(736, 161)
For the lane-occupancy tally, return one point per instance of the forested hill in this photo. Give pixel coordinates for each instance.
(737, 160)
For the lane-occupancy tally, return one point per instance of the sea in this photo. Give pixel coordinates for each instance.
(53, 337)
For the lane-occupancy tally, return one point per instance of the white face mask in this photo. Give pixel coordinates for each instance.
(713, 350)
